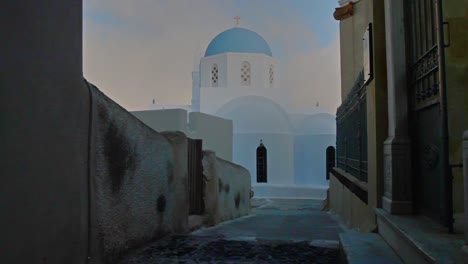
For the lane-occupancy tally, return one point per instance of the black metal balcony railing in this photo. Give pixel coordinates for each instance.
(351, 136)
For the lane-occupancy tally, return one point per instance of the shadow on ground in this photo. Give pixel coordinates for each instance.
(190, 249)
(277, 231)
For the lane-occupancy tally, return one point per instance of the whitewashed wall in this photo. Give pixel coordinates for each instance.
(280, 156)
(205, 70)
(216, 132)
(212, 99)
(229, 70)
(164, 120)
(230, 87)
(310, 159)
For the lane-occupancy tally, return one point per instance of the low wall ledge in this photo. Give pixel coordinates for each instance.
(351, 183)
(176, 136)
(231, 163)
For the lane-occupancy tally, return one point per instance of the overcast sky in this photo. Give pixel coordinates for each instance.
(140, 49)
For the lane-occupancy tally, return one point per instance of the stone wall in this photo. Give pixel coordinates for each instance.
(139, 181)
(227, 189)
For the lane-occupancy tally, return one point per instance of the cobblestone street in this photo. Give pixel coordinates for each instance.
(280, 231)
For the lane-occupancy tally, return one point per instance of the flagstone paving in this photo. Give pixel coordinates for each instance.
(277, 231)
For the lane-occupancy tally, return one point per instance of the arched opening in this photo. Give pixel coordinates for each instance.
(214, 75)
(261, 163)
(272, 76)
(245, 73)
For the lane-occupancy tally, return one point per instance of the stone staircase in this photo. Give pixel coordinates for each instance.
(366, 248)
(403, 239)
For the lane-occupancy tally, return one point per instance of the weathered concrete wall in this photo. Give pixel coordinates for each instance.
(233, 190)
(180, 188)
(44, 115)
(138, 190)
(210, 189)
(227, 189)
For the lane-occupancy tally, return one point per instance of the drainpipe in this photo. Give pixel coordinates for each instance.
(444, 116)
(465, 182)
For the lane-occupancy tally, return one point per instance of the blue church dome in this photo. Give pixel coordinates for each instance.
(238, 40)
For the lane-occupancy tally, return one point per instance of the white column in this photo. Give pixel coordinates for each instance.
(397, 152)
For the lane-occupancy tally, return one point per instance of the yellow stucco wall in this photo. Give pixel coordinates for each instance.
(355, 213)
(377, 107)
(455, 13)
(351, 33)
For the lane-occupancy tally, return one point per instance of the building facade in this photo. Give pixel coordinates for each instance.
(403, 113)
(239, 79)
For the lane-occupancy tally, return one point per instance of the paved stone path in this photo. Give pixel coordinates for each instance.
(279, 231)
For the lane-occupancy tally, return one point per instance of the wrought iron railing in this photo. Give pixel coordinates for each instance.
(351, 136)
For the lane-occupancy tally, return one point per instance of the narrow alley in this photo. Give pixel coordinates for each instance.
(235, 131)
(277, 231)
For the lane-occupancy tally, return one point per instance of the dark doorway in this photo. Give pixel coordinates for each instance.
(330, 161)
(195, 176)
(261, 163)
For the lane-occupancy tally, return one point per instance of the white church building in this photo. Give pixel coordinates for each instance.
(239, 79)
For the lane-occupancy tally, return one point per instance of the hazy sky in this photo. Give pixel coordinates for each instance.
(140, 49)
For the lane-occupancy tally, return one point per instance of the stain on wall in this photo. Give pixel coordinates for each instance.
(137, 194)
(118, 153)
(161, 203)
(227, 188)
(237, 200)
(220, 185)
(178, 180)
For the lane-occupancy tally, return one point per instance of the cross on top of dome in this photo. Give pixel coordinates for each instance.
(237, 18)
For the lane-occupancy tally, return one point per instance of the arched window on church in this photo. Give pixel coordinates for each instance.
(214, 75)
(272, 76)
(261, 163)
(245, 73)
